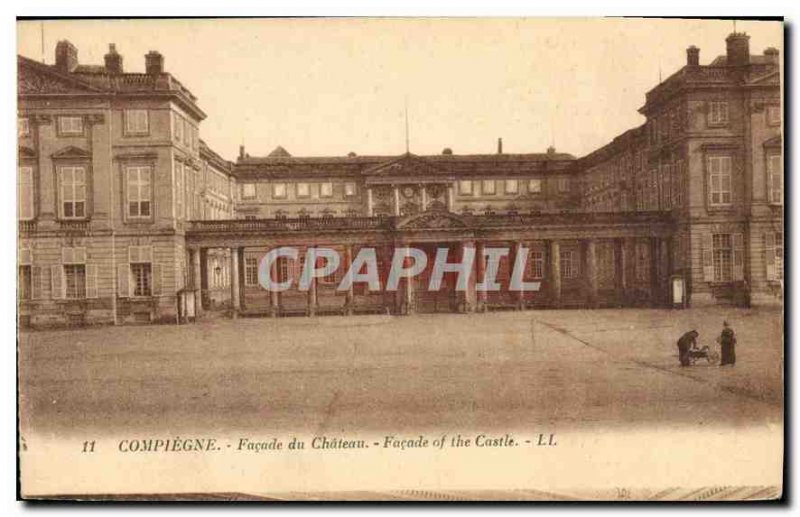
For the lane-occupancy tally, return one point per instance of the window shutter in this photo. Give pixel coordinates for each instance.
(708, 257)
(57, 281)
(123, 280)
(37, 287)
(91, 280)
(157, 281)
(738, 256)
(769, 248)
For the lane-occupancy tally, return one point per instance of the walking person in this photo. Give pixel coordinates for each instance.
(727, 342)
(687, 342)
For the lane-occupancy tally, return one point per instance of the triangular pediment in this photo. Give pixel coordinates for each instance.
(768, 78)
(435, 219)
(34, 77)
(71, 152)
(406, 166)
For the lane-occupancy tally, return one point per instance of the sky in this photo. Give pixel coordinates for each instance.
(326, 87)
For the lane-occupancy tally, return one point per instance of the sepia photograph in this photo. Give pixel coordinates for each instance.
(400, 259)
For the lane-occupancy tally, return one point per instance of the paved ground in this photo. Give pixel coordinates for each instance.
(499, 371)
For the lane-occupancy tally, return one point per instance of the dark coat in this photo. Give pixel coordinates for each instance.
(727, 342)
(684, 345)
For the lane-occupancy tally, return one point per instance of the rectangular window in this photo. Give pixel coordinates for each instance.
(349, 189)
(248, 190)
(72, 181)
(465, 187)
(303, 190)
(719, 180)
(25, 193)
(70, 125)
(75, 281)
(187, 133)
(279, 190)
(774, 115)
(722, 255)
(536, 264)
(775, 178)
(250, 271)
(512, 186)
(23, 126)
(563, 185)
(142, 276)
(326, 189)
(136, 122)
(567, 263)
(779, 255)
(139, 191)
(488, 187)
(177, 127)
(535, 186)
(179, 189)
(718, 113)
(25, 286)
(282, 269)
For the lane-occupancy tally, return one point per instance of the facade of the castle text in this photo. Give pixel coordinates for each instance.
(126, 215)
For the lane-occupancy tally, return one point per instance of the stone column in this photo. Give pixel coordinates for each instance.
(369, 202)
(348, 296)
(312, 294)
(424, 196)
(203, 279)
(655, 273)
(470, 295)
(396, 191)
(590, 247)
(619, 270)
(555, 272)
(519, 296)
(450, 198)
(197, 281)
(274, 296)
(236, 302)
(480, 273)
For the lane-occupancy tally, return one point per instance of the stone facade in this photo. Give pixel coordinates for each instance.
(125, 213)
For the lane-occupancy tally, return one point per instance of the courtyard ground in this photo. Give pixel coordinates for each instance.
(497, 371)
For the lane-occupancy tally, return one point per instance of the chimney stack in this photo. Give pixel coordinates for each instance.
(154, 63)
(772, 55)
(551, 150)
(66, 56)
(693, 56)
(113, 60)
(738, 46)
(499, 146)
(241, 152)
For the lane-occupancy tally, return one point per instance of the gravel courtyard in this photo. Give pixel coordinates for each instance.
(498, 371)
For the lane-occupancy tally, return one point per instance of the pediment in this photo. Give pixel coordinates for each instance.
(33, 77)
(71, 152)
(775, 141)
(24, 152)
(768, 78)
(432, 220)
(406, 166)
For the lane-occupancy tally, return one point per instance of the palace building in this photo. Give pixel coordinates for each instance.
(126, 215)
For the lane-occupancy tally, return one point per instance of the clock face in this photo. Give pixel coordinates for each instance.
(408, 191)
